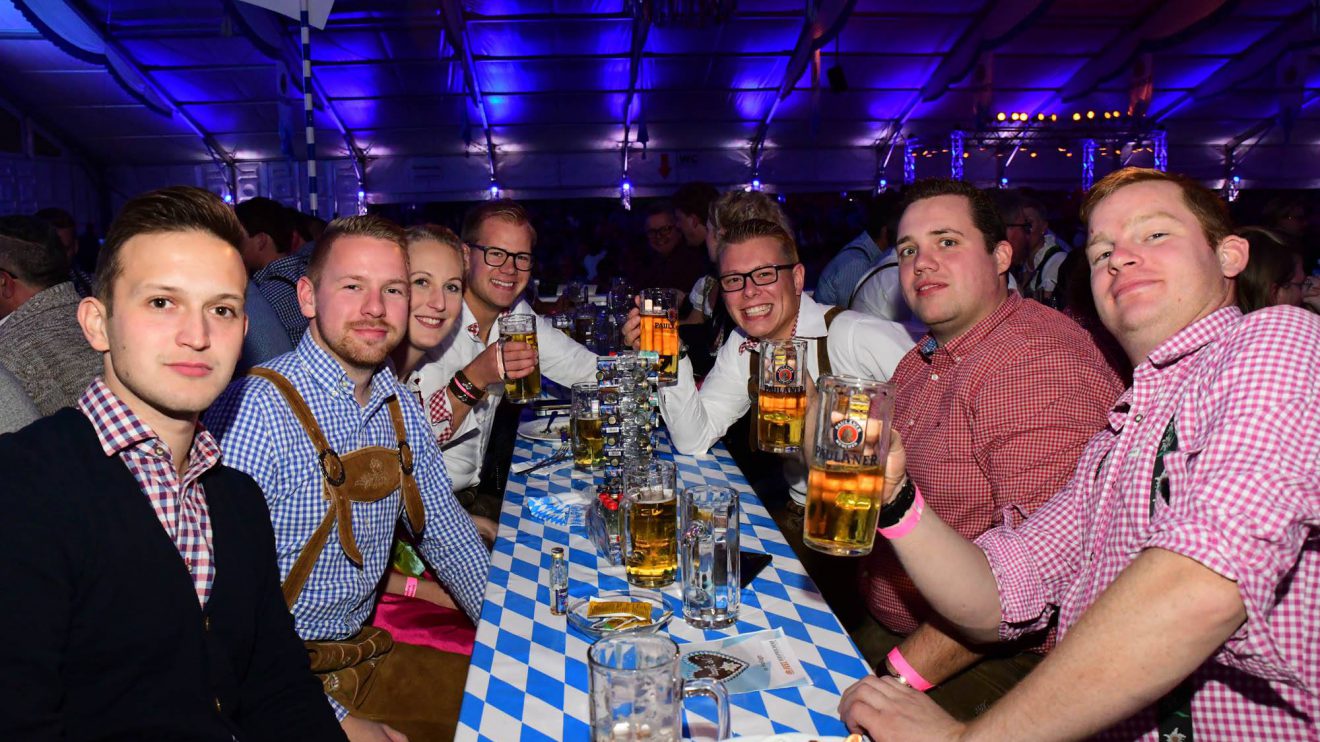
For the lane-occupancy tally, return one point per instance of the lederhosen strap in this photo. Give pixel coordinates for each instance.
(1174, 710)
(1032, 286)
(334, 475)
(754, 367)
(868, 276)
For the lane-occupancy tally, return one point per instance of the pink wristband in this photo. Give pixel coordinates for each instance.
(907, 673)
(410, 587)
(910, 518)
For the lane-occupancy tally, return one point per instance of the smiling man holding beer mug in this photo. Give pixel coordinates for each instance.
(761, 281)
(486, 362)
(994, 406)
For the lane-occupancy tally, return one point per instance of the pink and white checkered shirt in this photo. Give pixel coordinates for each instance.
(1244, 486)
(180, 505)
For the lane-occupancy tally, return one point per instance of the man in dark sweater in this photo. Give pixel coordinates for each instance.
(141, 595)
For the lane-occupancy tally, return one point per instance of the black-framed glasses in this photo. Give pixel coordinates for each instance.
(1024, 226)
(498, 256)
(763, 276)
(660, 232)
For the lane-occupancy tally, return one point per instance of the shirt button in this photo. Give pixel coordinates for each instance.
(206, 623)
(218, 710)
(934, 377)
(1139, 417)
(158, 451)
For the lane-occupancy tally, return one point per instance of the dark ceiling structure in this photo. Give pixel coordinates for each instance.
(436, 99)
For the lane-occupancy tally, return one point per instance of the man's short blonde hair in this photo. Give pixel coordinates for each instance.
(751, 229)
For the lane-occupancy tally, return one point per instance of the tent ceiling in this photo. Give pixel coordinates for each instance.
(555, 75)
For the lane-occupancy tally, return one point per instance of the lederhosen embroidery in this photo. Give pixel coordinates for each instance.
(754, 366)
(365, 475)
(1174, 710)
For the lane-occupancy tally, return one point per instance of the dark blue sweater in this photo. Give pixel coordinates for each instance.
(102, 633)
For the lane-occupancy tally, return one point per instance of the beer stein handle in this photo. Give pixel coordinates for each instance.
(715, 691)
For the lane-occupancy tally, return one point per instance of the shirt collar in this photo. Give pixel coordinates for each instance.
(327, 373)
(1194, 336)
(810, 319)
(977, 333)
(472, 328)
(119, 429)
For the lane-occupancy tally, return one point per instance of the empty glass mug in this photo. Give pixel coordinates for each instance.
(847, 464)
(781, 399)
(650, 524)
(637, 691)
(520, 328)
(708, 556)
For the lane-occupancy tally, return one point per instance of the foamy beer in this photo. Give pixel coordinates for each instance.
(847, 464)
(781, 399)
(588, 442)
(650, 524)
(659, 312)
(521, 328)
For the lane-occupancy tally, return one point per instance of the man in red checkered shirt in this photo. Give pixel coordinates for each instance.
(1181, 562)
(994, 406)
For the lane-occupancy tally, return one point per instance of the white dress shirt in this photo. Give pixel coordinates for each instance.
(562, 360)
(859, 345)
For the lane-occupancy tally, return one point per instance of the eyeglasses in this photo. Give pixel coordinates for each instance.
(761, 277)
(660, 232)
(496, 257)
(1024, 226)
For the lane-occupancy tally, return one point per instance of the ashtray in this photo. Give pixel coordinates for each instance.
(597, 626)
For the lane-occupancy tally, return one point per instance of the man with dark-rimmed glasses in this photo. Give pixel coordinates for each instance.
(499, 238)
(761, 281)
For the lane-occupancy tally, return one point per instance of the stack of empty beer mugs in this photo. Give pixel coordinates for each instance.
(629, 416)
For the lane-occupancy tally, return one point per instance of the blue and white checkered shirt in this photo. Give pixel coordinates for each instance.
(260, 435)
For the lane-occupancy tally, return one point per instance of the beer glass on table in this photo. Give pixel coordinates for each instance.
(563, 322)
(588, 442)
(847, 464)
(650, 523)
(781, 399)
(637, 690)
(659, 312)
(520, 328)
(708, 556)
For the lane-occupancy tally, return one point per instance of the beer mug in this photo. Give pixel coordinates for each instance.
(637, 690)
(847, 464)
(708, 556)
(659, 312)
(563, 322)
(520, 328)
(650, 523)
(588, 442)
(781, 398)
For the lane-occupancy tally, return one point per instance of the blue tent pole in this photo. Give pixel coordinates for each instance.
(306, 36)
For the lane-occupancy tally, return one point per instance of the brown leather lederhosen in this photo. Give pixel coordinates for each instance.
(365, 475)
(754, 366)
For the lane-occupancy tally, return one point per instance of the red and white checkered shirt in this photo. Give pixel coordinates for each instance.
(180, 505)
(1244, 501)
(992, 423)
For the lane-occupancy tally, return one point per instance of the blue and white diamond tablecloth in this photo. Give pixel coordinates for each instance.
(528, 679)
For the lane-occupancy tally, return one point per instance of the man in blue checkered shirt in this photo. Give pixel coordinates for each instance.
(355, 295)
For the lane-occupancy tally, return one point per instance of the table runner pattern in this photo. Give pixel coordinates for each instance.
(529, 680)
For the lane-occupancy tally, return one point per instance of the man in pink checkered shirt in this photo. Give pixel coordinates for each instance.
(994, 406)
(1182, 560)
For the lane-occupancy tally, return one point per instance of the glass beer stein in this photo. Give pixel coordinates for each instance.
(521, 328)
(637, 690)
(588, 440)
(650, 524)
(781, 399)
(847, 464)
(659, 313)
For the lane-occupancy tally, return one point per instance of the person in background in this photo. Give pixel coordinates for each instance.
(16, 409)
(40, 340)
(67, 231)
(1179, 563)
(670, 262)
(139, 572)
(336, 393)
(1273, 275)
(278, 280)
(692, 210)
(841, 277)
(1040, 273)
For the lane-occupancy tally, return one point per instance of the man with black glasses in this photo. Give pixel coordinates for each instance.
(472, 363)
(761, 281)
